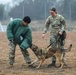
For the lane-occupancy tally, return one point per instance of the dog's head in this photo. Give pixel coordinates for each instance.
(36, 50)
(34, 47)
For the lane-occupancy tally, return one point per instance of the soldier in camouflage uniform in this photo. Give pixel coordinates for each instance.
(19, 33)
(57, 25)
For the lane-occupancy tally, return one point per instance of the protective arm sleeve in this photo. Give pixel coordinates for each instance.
(27, 40)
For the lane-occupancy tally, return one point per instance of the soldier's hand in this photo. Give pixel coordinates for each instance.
(43, 36)
(60, 33)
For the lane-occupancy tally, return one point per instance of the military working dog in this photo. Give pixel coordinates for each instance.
(43, 54)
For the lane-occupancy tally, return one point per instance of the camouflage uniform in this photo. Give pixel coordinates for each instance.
(12, 47)
(56, 24)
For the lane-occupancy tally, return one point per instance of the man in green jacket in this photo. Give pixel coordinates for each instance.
(19, 33)
(57, 25)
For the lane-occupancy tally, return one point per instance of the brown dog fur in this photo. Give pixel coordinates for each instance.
(43, 54)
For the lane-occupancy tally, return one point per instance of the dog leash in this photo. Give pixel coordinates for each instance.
(49, 44)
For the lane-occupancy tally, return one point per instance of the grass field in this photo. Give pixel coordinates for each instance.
(20, 67)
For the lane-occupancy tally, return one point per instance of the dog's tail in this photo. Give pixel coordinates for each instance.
(68, 49)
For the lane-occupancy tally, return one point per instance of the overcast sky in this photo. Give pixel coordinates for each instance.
(4, 1)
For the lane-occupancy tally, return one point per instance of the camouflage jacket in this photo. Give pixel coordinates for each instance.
(54, 23)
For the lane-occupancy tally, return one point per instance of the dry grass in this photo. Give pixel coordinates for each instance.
(21, 68)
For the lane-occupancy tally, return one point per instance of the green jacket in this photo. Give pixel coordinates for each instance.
(22, 35)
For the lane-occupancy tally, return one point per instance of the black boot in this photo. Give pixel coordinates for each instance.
(52, 64)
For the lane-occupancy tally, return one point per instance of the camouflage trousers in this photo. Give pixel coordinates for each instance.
(12, 48)
(55, 43)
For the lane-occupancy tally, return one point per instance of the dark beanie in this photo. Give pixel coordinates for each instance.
(27, 19)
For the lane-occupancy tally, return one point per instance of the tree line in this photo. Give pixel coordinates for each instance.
(39, 9)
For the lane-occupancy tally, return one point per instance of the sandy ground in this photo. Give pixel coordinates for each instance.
(20, 67)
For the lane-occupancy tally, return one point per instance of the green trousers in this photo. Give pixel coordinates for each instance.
(55, 43)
